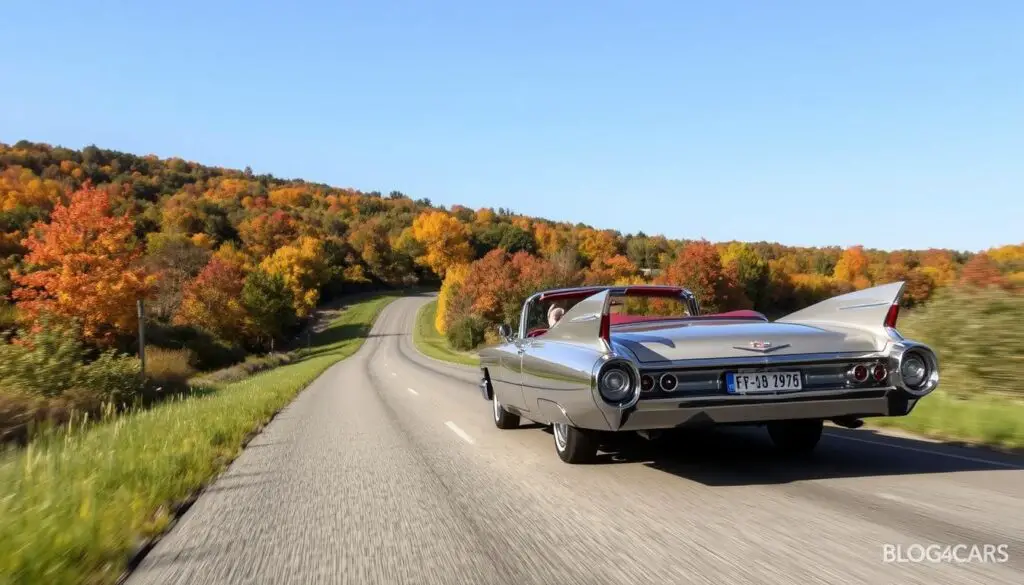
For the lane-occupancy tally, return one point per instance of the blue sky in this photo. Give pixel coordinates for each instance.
(888, 124)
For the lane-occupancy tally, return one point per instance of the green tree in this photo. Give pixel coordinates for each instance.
(268, 301)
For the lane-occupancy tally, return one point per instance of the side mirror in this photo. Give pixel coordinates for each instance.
(505, 332)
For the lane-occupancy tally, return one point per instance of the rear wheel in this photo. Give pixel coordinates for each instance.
(574, 445)
(796, 436)
(503, 419)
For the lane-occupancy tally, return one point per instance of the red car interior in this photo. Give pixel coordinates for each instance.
(624, 319)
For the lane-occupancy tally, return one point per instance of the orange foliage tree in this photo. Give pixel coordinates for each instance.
(853, 267)
(699, 268)
(982, 271)
(85, 268)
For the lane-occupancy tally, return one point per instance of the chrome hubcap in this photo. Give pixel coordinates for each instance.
(497, 408)
(561, 433)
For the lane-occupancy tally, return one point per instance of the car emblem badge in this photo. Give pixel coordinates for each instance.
(761, 346)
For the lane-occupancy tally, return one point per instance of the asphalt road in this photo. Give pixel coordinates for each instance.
(389, 470)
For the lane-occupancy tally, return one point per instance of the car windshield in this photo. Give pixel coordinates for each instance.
(543, 314)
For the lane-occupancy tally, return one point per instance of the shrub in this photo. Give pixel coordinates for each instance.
(251, 365)
(52, 360)
(208, 352)
(978, 334)
(169, 368)
(466, 332)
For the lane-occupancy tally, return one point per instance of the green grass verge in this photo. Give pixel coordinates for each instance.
(74, 504)
(979, 419)
(429, 341)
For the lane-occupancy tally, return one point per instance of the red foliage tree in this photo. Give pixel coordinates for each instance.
(213, 301)
(982, 271)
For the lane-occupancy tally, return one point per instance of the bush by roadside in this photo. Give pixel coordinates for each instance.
(431, 342)
(979, 336)
(48, 376)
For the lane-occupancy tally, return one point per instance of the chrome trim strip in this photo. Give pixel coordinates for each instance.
(755, 396)
(864, 306)
(766, 360)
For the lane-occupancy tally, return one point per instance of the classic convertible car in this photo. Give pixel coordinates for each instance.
(609, 359)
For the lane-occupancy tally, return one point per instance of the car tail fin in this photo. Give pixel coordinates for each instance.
(871, 308)
(587, 322)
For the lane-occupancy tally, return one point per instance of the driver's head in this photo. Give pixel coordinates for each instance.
(554, 314)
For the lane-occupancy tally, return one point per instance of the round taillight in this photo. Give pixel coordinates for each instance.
(646, 383)
(914, 370)
(879, 372)
(668, 382)
(615, 384)
(859, 373)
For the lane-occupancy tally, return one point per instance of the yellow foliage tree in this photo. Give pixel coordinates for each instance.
(291, 197)
(853, 267)
(549, 239)
(597, 245)
(445, 241)
(456, 276)
(20, 187)
(304, 270)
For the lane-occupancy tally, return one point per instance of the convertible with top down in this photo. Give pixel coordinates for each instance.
(611, 359)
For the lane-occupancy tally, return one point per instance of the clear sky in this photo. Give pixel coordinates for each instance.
(885, 123)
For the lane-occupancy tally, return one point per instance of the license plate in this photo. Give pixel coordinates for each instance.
(743, 383)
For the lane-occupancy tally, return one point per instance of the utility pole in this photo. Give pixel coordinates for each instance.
(142, 335)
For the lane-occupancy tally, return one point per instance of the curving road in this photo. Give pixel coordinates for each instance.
(389, 470)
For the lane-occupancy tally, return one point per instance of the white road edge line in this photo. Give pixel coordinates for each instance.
(928, 451)
(461, 433)
(415, 393)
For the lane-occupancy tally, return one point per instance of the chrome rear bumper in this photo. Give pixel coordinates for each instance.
(670, 413)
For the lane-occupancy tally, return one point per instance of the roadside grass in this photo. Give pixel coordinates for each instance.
(428, 340)
(994, 421)
(76, 503)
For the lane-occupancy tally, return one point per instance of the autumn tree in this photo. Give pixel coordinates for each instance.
(84, 266)
(304, 271)
(445, 240)
(175, 259)
(213, 301)
(853, 267)
(263, 234)
(609, 270)
(749, 270)
(699, 268)
(981, 271)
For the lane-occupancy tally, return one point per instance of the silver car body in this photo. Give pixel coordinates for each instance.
(553, 377)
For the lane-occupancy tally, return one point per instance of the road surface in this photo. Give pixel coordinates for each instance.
(389, 470)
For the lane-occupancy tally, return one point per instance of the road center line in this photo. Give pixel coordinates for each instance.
(461, 433)
(927, 451)
(413, 391)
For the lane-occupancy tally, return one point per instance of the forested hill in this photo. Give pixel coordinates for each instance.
(241, 257)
